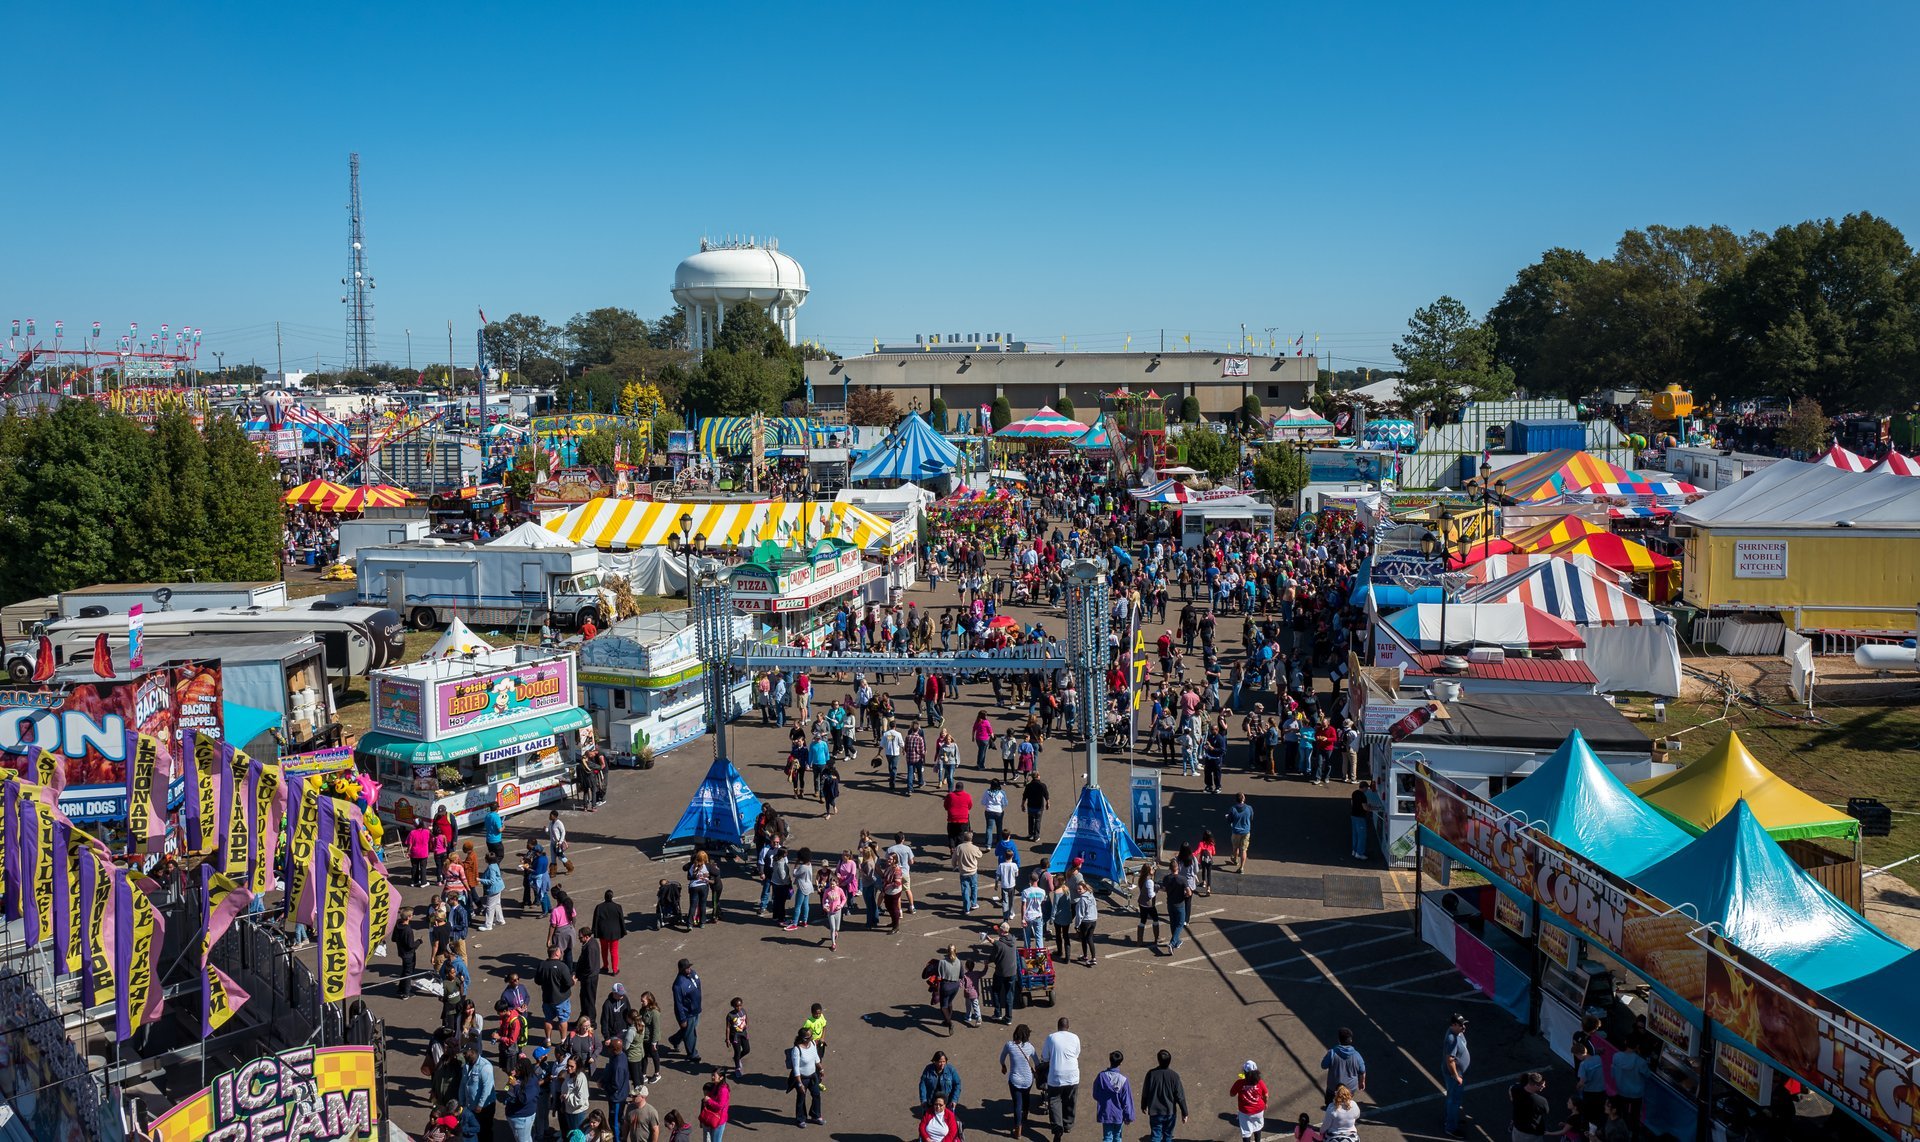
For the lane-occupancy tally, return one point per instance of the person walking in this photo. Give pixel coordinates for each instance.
(1060, 1054)
(804, 1079)
(476, 1093)
(609, 925)
(1250, 1101)
(1240, 825)
(715, 1098)
(586, 972)
(736, 1032)
(803, 883)
(1455, 1059)
(994, 804)
(833, 903)
(1086, 916)
(493, 885)
(1528, 1100)
(649, 1015)
(1017, 1059)
(959, 805)
(946, 984)
(1147, 898)
(575, 1097)
(494, 828)
(982, 738)
(939, 1079)
(966, 864)
(1006, 974)
(1344, 1065)
(1112, 1099)
(419, 850)
(1034, 800)
(1162, 1096)
(522, 1101)
(686, 1012)
(555, 977)
(1341, 1122)
(939, 1123)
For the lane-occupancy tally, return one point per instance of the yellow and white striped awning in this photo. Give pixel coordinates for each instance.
(621, 525)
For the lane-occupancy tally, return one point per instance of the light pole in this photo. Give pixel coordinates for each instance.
(712, 598)
(1087, 597)
(1430, 546)
(686, 547)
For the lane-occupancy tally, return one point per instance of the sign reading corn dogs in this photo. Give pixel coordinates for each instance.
(1627, 923)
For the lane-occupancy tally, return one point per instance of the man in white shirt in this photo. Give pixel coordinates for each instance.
(893, 743)
(1061, 1054)
(1006, 877)
(1033, 912)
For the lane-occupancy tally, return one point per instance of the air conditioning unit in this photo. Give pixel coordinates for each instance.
(1681, 531)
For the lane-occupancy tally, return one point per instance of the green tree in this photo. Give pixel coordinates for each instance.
(1211, 452)
(1064, 407)
(597, 447)
(1280, 470)
(669, 331)
(598, 335)
(750, 367)
(1641, 321)
(1449, 360)
(68, 494)
(1001, 414)
(243, 505)
(170, 529)
(522, 340)
(1538, 329)
(1250, 410)
(1190, 409)
(937, 414)
(1826, 308)
(1805, 429)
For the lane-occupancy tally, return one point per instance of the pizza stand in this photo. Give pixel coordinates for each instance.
(795, 590)
(1748, 972)
(465, 732)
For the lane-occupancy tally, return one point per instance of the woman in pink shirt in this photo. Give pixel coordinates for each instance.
(982, 737)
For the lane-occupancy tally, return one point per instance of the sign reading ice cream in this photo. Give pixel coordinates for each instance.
(502, 697)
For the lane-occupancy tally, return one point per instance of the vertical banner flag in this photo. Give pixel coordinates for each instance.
(76, 945)
(96, 894)
(59, 887)
(50, 770)
(145, 823)
(194, 815)
(302, 848)
(136, 644)
(350, 831)
(148, 936)
(221, 900)
(236, 838)
(123, 957)
(9, 848)
(269, 805)
(334, 966)
(37, 827)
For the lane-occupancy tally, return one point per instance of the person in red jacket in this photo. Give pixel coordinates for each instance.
(939, 1123)
(959, 805)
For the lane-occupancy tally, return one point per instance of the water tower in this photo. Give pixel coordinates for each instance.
(726, 273)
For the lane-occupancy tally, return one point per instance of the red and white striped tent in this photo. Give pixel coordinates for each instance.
(1899, 463)
(1838, 457)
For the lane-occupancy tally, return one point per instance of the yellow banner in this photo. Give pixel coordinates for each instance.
(380, 903)
(99, 951)
(43, 870)
(306, 834)
(234, 857)
(219, 1004)
(46, 767)
(76, 951)
(263, 819)
(206, 758)
(146, 757)
(333, 927)
(140, 993)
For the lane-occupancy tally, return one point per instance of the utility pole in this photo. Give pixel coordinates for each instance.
(279, 355)
(409, 350)
(220, 359)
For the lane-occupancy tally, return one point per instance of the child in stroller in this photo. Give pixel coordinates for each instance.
(666, 906)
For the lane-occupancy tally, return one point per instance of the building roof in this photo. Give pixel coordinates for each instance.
(1790, 494)
(1533, 721)
(1555, 670)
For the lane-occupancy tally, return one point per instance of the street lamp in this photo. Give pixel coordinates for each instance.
(1431, 546)
(686, 546)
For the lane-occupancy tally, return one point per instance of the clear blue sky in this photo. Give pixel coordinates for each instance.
(1087, 170)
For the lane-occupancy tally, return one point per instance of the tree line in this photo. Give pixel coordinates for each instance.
(1827, 310)
(89, 496)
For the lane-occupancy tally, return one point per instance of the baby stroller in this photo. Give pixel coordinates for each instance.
(666, 907)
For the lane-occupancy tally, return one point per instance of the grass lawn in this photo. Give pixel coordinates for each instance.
(356, 716)
(1859, 751)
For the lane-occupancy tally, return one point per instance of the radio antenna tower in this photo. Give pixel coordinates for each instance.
(358, 282)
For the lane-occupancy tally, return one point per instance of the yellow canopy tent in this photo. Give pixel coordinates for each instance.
(1701, 793)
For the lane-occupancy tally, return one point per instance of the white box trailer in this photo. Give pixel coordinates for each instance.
(373, 532)
(152, 598)
(432, 582)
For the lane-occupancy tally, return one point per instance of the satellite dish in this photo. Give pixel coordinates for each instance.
(163, 595)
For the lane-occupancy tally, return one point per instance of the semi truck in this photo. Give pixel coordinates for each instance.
(431, 582)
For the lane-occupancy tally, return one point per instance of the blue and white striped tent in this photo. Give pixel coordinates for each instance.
(913, 452)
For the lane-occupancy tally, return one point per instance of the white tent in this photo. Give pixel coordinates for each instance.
(648, 570)
(529, 534)
(458, 642)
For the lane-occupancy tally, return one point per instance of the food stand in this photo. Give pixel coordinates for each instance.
(461, 733)
(797, 590)
(643, 682)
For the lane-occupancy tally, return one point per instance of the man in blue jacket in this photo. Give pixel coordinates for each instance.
(476, 1095)
(686, 1011)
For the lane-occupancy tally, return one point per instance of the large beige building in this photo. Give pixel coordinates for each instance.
(969, 375)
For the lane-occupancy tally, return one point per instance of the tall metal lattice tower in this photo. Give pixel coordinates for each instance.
(359, 284)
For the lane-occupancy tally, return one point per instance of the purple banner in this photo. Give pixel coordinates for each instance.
(122, 954)
(10, 839)
(62, 888)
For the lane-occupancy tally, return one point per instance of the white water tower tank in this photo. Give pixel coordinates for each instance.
(727, 273)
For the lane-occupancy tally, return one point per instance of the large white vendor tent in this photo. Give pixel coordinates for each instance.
(1631, 644)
